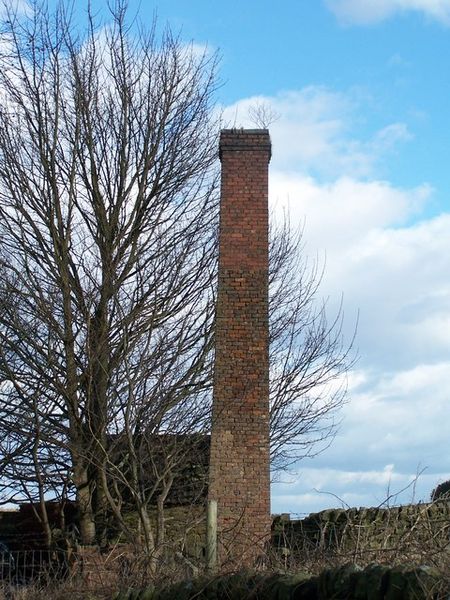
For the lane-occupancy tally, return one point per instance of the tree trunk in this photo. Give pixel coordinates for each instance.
(84, 500)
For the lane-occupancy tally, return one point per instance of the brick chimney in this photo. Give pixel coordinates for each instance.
(239, 461)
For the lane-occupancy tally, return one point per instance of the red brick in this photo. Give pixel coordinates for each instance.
(239, 467)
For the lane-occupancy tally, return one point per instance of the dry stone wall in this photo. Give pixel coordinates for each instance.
(344, 583)
(387, 534)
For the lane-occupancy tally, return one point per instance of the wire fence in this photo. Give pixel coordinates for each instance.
(85, 572)
(21, 567)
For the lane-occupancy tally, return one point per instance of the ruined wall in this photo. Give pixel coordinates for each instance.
(411, 533)
(239, 463)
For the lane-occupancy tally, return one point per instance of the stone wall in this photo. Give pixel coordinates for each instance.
(410, 532)
(344, 583)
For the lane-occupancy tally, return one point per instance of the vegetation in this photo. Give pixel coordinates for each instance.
(108, 214)
(442, 490)
(350, 554)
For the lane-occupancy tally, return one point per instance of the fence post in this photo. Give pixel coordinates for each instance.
(211, 536)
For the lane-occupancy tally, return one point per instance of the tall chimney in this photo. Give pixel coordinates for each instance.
(239, 461)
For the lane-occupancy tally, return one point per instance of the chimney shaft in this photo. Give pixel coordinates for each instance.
(239, 462)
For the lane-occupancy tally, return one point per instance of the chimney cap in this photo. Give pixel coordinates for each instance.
(245, 140)
(242, 131)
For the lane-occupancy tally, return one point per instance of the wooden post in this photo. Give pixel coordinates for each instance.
(211, 537)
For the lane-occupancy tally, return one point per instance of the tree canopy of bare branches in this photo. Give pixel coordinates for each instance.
(107, 205)
(108, 212)
(309, 359)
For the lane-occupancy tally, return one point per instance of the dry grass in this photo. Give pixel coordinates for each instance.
(57, 591)
(104, 574)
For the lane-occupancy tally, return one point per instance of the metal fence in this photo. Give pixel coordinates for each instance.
(33, 566)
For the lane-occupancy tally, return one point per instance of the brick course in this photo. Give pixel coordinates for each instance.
(239, 463)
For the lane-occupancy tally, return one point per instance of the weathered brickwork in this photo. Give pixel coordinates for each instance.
(239, 465)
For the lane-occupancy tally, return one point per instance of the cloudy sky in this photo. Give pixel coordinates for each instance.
(361, 158)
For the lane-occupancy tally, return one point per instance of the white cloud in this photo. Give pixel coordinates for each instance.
(389, 266)
(391, 261)
(373, 11)
(397, 61)
(387, 138)
(403, 408)
(15, 7)
(315, 132)
(396, 276)
(420, 381)
(394, 433)
(316, 489)
(341, 213)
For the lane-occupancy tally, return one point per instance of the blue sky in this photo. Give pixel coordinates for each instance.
(268, 48)
(360, 157)
(360, 151)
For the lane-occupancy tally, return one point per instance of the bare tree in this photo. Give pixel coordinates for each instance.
(262, 115)
(108, 212)
(309, 358)
(107, 204)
